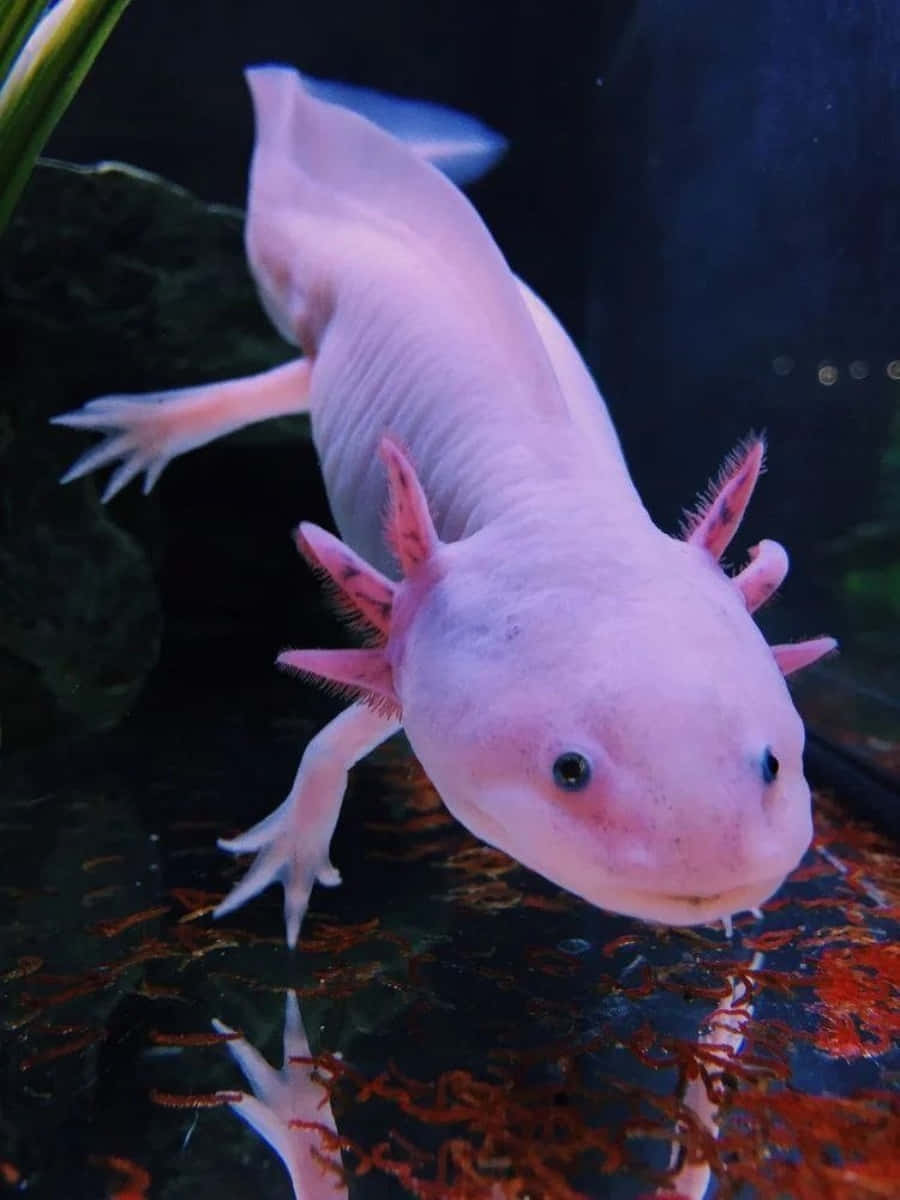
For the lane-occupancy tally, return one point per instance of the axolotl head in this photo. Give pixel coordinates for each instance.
(626, 731)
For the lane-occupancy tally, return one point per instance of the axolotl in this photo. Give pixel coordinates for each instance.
(586, 692)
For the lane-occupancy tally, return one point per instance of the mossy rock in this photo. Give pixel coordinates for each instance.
(111, 280)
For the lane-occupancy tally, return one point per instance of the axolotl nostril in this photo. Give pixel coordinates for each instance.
(587, 693)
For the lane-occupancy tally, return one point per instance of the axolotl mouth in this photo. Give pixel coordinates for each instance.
(597, 884)
(668, 908)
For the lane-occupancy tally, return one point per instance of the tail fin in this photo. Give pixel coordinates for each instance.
(273, 90)
(458, 144)
(316, 154)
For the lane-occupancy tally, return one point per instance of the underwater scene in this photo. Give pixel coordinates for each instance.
(411, 784)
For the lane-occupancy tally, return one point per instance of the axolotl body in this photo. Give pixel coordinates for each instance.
(586, 692)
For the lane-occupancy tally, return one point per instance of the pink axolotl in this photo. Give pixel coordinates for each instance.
(587, 693)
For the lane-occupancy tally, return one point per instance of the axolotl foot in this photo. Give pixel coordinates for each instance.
(145, 432)
(291, 844)
(285, 856)
(289, 1107)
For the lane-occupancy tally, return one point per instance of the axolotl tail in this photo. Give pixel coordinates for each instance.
(322, 174)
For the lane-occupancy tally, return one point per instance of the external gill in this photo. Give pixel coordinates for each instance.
(363, 593)
(713, 524)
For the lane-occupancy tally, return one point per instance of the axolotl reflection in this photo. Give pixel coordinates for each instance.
(587, 693)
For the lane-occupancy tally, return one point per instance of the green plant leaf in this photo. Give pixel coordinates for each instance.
(17, 19)
(34, 97)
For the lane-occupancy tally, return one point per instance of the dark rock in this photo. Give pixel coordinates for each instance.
(110, 280)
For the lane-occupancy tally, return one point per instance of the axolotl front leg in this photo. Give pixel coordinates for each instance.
(292, 843)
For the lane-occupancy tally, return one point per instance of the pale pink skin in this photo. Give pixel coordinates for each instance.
(540, 610)
(281, 1098)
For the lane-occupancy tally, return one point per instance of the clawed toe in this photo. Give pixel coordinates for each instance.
(111, 448)
(136, 437)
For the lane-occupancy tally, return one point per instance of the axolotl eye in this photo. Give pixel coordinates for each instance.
(769, 766)
(571, 771)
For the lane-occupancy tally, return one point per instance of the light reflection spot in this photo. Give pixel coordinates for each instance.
(574, 946)
(828, 374)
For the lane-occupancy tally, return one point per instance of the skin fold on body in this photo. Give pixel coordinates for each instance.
(587, 693)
